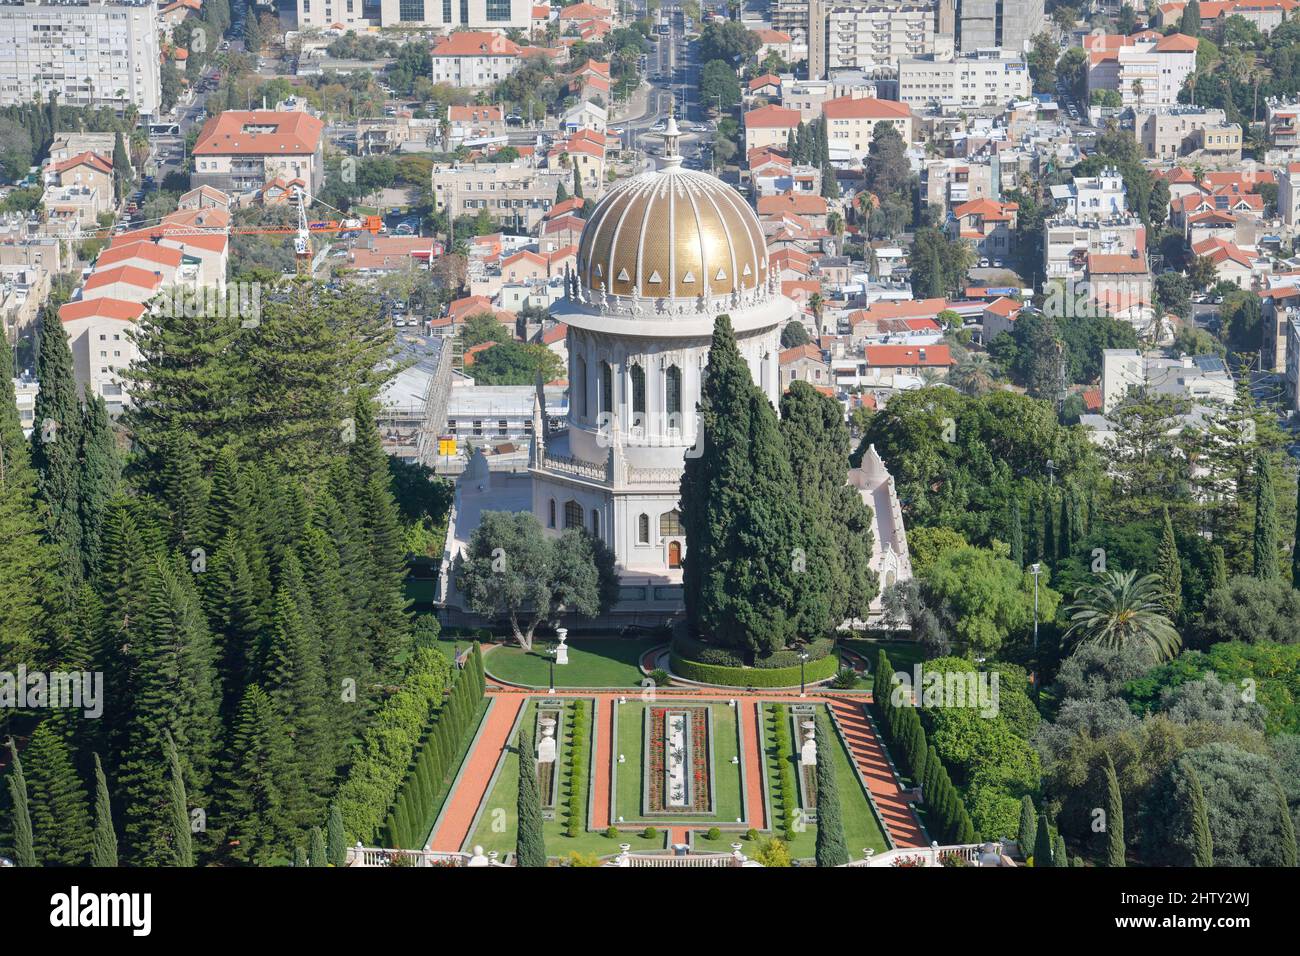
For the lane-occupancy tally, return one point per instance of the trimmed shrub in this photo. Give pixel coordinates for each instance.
(649, 833)
(611, 833)
(703, 673)
(577, 814)
(784, 777)
(713, 834)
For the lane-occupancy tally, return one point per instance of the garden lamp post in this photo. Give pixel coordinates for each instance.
(1051, 472)
(803, 658)
(551, 660)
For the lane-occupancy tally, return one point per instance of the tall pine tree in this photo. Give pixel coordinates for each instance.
(1114, 816)
(1198, 820)
(257, 826)
(57, 798)
(101, 473)
(20, 812)
(1170, 570)
(104, 840)
(178, 811)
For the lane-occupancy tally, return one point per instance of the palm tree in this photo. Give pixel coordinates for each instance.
(973, 375)
(1121, 611)
(1137, 92)
(815, 303)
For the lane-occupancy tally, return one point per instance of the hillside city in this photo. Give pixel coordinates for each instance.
(769, 433)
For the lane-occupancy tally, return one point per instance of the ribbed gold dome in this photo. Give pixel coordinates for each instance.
(672, 233)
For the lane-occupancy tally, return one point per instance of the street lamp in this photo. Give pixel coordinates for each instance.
(803, 658)
(1051, 472)
(551, 654)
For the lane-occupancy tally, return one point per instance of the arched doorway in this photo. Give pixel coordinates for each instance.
(674, 554)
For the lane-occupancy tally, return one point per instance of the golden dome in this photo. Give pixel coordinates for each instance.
(672, 233)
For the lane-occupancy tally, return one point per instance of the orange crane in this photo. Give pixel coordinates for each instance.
(302, 232)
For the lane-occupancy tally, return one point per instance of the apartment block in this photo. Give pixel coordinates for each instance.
(1200, 132)
(985, 78)
(862, 36)
(514, 194)
(89, 52)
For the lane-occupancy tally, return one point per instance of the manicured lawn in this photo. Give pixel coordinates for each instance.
(902, 654)
(860, 827)
(498, 827)
(593, 662)
(726, 775)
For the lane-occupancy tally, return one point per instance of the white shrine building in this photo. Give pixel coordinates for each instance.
(662, 256)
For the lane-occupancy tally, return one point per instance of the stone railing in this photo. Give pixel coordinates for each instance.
(972, 854)
(378, 856)
(653, 476)
(567, 465)
(629, 859)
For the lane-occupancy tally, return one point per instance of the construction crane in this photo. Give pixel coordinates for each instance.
(301, 232)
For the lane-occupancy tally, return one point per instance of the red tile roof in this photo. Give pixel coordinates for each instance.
(103, 307)
(866, 107)
(475, 43)
(227, 134)
(132, 275)
(772, 117)
(909, 355)
(146, 251)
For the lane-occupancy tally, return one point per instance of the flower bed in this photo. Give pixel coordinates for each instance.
(677, 760)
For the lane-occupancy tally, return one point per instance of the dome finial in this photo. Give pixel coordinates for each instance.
(671, 134)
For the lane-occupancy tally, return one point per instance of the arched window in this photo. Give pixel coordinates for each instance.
(580, 386)
(673, 390)
(670, 524)
(595, 523)
(606, 388)
(572, 515)
(638, 396)
(643, 529)
(550, 517)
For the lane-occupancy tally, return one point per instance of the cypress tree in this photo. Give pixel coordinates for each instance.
(530, 847)
(316, 852)
(1027, 835)
(1043, 843)
(1033, 545)
(20, 812)
(60, 817)
(300, 856)
(1065, 530)
(1050, 530)
(1017, 534)
(338, 841)
(1218, 567)
(1170, 570)
(1114, 814)
(1266, 530)
(791, 146)
(101, 473)
(26, 563)
(178, 812)
(830, 849)
(1286, 831)
(121, 167)
(104, 842)
(56, 444)
(920, 752)
(252, 803)
(743, 573)
(965, 834)
(931, 780)
(1199, 821)
(1059, 856)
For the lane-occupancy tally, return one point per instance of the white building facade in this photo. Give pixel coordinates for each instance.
(89, 52)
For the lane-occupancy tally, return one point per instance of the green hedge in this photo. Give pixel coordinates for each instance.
(692, 649)
(382, 759)
(784, 776)
(577, 770)
(815, 670)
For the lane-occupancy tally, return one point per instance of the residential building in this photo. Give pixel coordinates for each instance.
(468, 123)
(1067, 242)
(1264, 14)
(23, 290)
(240, 151)
(852, 122)
(1198, 133)
(326, 14)
(1201, 378)
(990, 226)
(1288, 194)
(770, 126)
(870, 34)
(512, 193)
(98, 331)
(87, 52)
(997, 24)
(1092, 198)
(988, 78)
(804, 363)
(463, 14)
(1146, 69)
(474, 59)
